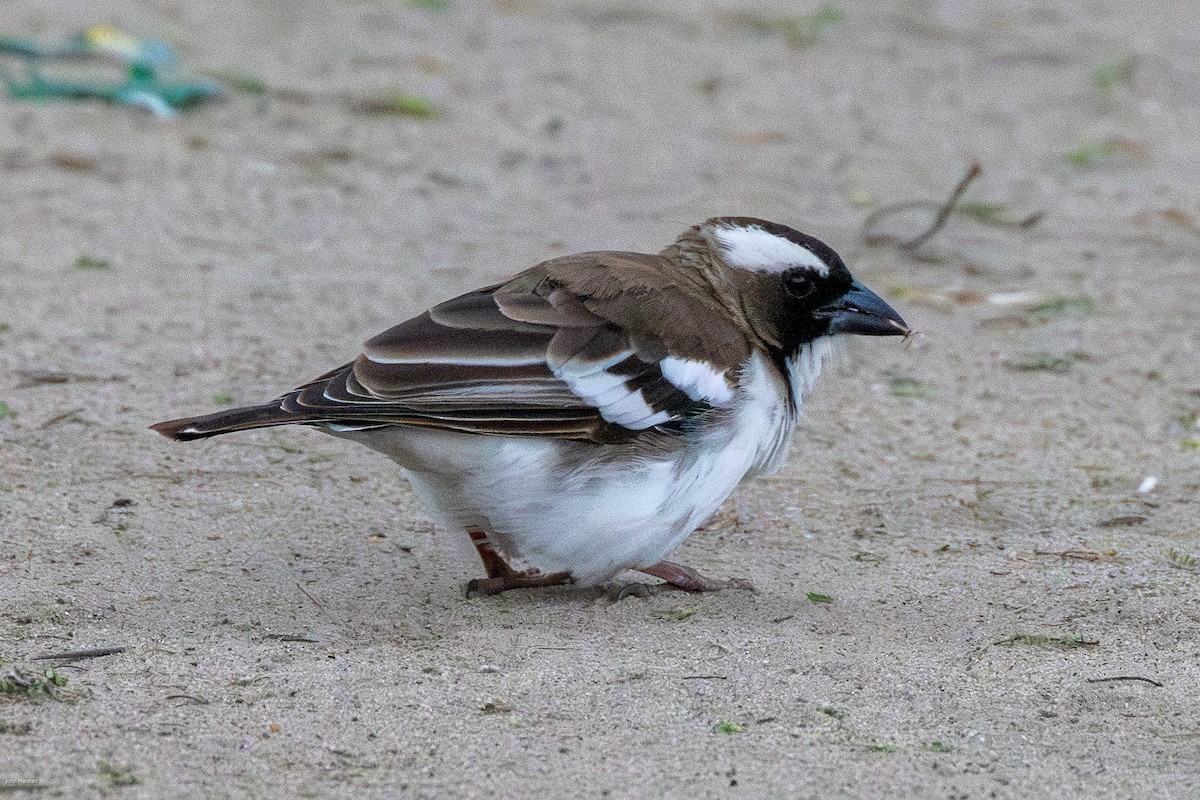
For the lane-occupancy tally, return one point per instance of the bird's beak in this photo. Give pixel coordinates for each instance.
(862, 311)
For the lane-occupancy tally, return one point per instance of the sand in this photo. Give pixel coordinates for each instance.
(968, 586)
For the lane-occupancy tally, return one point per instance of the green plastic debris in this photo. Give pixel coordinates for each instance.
(240, 82)
(143, 85)
(24, 46)
(142, 89)
(108, 41)
(98, 40)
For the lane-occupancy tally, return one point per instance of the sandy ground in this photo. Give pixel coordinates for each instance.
(971, 507)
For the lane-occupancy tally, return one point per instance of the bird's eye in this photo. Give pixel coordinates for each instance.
(798, 284)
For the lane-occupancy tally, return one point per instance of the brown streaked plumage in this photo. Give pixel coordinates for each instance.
(427, 371)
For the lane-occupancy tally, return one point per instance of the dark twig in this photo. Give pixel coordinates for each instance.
(310, 597)
(1078, 555)
(63, 417)
(76, 655)
(704, 677)
(939, 222)
(315, 602)
(1150, 681)
(1031, 220)
(288, 637)
(10, 787)
(1045, 640)
(35, 377)
(191, 698)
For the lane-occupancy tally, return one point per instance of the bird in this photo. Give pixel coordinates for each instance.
(585, 416)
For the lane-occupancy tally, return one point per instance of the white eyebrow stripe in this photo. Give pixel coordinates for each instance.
(755, 249)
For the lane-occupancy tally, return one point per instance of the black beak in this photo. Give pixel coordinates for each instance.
(862, 311)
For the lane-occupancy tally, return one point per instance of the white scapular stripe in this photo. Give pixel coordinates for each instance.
(613, 399)
(697, 380)
(630, 411)
(595, 385)
(755, 249)
(581, 365)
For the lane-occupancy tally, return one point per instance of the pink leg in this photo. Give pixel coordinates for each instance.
(501, 577)
(690, 580)
(493, 562)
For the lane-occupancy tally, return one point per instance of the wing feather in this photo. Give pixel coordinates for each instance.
(549, 353)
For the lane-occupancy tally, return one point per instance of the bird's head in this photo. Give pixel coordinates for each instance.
(793, 288)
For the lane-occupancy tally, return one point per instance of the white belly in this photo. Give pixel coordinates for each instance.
(567, 506)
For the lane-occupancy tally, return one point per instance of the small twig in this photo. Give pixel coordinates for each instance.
(1080, 555)
(1045, 640)
(200, 701)
(316, 603)
(287, 637)
(63, 417)
(310, 597)
(1125, 678)
(9, 787)
(939, 222)
(1031, 220)
(75, 655)
(35, 377)
(704, 677)
(989, 482)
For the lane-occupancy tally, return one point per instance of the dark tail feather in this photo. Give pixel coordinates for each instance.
(236, 419)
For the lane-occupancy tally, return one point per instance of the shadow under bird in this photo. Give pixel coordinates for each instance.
(586, 415)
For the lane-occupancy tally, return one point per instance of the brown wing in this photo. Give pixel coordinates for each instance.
(551, 352)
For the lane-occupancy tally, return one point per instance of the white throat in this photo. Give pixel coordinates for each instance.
(805, 367)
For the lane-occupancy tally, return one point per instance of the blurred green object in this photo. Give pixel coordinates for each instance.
(98, 40)
(24, 46)
(107, 40)
(399, 104)
(238, 81)
(143, 86)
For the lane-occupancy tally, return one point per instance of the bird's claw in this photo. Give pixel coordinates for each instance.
(619, 592)
(486, 587)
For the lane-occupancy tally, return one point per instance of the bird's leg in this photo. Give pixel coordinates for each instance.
(690, 580)
(501, 577)
(493, 562)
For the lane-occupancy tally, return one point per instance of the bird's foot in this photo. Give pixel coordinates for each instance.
(688, 579)
(619, 591)
(485, 587)
(502, 577)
